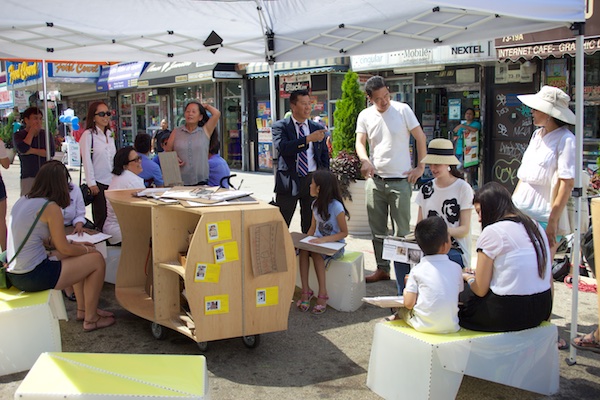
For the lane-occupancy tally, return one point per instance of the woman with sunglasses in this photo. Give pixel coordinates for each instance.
(98, 149)
(128, 165)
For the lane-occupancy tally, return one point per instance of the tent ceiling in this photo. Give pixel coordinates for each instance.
(166, 30)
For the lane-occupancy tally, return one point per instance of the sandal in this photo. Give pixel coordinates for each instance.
(304, 305)
(69, 297)
(587, 342)
(562, 344)
(320, 308)
(98, 323)
(100, 312)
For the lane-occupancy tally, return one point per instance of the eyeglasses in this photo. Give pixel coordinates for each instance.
(137, 159)
(103, 114)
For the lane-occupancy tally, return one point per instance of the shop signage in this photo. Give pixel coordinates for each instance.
(73, 70)
(292, 83)
(120, 76)
(6, 100)
(469, 52)
(22, 72)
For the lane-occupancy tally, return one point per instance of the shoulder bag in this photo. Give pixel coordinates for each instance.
(4, 281)
(86, 192)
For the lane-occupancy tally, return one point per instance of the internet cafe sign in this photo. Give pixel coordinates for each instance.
(289, 84)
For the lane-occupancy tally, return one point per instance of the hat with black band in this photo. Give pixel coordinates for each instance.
(440, 151)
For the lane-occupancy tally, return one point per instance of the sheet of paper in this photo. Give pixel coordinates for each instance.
(151, 192)
(217, 231)
(329, 245)
(96, 238)
(216, 304)
(207, 273)
(268, 296)
(385, 301)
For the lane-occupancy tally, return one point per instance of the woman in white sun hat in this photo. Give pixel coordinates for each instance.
(547, 172)
(448, 196)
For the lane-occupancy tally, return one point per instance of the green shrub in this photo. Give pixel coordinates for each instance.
(346, 113)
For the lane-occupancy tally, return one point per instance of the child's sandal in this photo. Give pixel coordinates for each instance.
(304, 305)
(320, 308)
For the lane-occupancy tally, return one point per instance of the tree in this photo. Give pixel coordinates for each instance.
(346, 113)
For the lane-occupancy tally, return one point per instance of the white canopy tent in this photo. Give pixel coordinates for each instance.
(273, 30)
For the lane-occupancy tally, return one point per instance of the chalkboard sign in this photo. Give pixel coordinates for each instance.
(511, 131)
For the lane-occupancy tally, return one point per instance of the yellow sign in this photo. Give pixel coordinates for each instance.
(22, 71)
(226, 252)
(207, 273)
(267, 296)
(217, 231)
(216, 304)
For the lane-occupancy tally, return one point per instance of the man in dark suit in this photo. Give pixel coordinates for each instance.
(300, 144)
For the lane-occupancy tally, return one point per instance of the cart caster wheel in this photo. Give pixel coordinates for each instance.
(203, 346)
(158, 331)
(251, 341)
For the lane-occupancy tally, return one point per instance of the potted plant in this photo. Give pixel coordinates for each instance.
(344, 163)
(6, 136)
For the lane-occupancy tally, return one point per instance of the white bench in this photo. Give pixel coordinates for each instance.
(28, 327)
(345, 279)
(411, 365)
(113, 257)
(115, 376)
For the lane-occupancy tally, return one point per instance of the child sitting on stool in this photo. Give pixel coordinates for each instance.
(433, 285)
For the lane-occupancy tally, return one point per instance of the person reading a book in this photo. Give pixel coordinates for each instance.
(511, 289)
(433, 285)
(127, 167)
(328, 224)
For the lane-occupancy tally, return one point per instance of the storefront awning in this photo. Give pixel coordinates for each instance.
(120, 76)
(323, 65)
(169, 73)
(554, 42)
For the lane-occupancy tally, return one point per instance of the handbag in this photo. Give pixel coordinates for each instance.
(86, 192)
(4, 281)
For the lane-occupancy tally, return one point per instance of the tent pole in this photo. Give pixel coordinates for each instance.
(45, 89)
(578, 191)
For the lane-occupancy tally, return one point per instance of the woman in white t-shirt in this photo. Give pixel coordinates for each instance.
(128, 165)
(547, 172)
(448, 196)
(511, 288)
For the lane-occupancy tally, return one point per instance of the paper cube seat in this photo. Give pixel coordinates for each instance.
(28, 326)
(345, 279)
(115, 377)
(408, 364)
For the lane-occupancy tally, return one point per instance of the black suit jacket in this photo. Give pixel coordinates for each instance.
(288, 145)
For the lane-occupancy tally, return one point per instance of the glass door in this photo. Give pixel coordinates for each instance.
(231, 146)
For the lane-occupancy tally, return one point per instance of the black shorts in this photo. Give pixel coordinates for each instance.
(43, 277)
(2, 189)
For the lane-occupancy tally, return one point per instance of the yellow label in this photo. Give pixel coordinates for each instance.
(207, 273)
(216, 304)
(216, 231)
(226, 252)
(267, 296)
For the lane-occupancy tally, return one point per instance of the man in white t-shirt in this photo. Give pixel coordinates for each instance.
(388, 125)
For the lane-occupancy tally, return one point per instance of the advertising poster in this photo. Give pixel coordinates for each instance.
(453, 109)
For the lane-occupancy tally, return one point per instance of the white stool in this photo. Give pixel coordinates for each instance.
(115, 376)
(113, 256)
(29, 325)
(345, 279)
(406, 364)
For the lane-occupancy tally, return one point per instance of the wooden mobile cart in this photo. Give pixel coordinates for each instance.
(213, 292)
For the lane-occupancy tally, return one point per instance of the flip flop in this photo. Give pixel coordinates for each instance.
(587, 342)
(562, 344)
(69, 297)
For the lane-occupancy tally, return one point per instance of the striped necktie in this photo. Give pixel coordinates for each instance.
(302, 156)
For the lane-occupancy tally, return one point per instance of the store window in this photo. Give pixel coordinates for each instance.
(204, 92)
(262, 114)
(231, 116)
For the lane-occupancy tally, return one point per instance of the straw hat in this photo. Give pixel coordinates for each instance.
(551, 101)
(440, 151)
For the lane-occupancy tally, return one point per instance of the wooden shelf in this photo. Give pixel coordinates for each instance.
(136, 300)
(173, 266)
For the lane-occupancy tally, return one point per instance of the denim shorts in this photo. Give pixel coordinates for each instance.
(43, 277)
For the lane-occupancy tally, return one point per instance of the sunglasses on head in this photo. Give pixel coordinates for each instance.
(103, 114)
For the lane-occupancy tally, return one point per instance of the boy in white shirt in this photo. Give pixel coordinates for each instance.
(433, 285)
